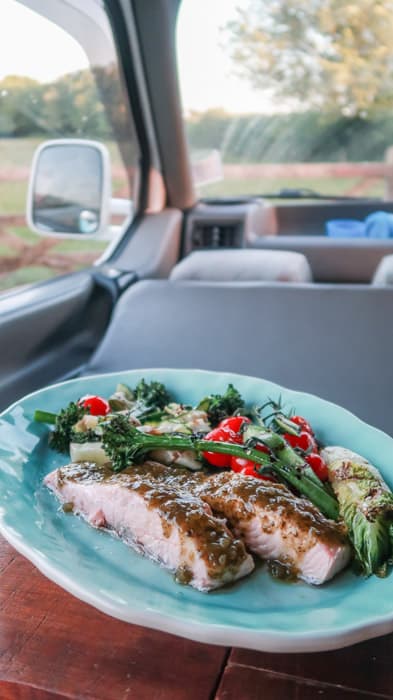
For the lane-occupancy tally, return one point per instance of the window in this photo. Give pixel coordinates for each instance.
(59, 79)
(288, 94)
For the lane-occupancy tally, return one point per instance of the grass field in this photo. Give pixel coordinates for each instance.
(19, 152)
(65, 252)
(326, 186)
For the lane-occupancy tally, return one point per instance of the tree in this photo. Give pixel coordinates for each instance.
(73, 106)
(20, 106)
(333, 55)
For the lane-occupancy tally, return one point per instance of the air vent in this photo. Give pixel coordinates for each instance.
(218, 235)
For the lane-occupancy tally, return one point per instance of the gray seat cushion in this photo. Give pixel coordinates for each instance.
(243, 265)
(334, 341)
(384, 272)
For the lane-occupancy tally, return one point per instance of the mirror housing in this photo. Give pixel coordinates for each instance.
(70, 189)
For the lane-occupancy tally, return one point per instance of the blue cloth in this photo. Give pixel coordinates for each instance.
(379, 225)
(345, 228)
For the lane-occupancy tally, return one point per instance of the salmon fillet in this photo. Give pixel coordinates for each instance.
(274, 524)
(177, 530)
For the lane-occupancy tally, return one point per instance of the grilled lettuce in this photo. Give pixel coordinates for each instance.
(366, 506)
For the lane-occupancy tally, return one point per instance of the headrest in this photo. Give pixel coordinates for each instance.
(239, 265)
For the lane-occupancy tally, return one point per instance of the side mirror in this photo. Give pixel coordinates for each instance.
(70, 189)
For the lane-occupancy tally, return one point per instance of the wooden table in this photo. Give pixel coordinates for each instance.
(54, 646)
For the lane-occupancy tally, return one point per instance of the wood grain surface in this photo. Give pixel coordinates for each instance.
(53, 646)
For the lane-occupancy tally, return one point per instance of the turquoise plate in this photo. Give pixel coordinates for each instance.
(257, 612)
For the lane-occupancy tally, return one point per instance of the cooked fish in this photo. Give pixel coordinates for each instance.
(273, 523)
(177, 530)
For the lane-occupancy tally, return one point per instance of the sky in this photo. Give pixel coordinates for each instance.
(31, 45)
(205, 71)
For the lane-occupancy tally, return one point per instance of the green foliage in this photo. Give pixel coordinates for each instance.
(220, 406)
(86, 102)
(296, 137)
(327, 54)
(68, 106)
(83, 436)
(21, 104)
(60, 437)
(153, 395)
(123, 443)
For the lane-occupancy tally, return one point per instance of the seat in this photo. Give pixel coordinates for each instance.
(384, 273)
(341, 260)
(330, 340)
(243, 265)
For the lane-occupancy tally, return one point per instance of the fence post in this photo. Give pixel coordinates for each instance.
(389, 174)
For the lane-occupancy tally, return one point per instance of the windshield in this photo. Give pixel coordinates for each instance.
(288, 95)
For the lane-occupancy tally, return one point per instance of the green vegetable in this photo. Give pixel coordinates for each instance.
(220, 406)
(82, 436)
(291, 467)
(126, 445)
(153, 395)
(45, 417)
(285, 424)
(126, 391)
(60, 437)
(64, 422)
(145, 402)
(118, 404)
(366, 505)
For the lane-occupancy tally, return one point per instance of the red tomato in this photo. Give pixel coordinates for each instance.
(220, 435)
(302, 423)
(234, 422)
(240, 464)
(304, 441)
(96, 405)
(249, 470)
(318, 465)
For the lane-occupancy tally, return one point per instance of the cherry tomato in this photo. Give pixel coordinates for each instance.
(302, 423)
(249, 470)
(318, 465)
(221, 435)
(239, 464)
(234, 422)
(304, 441)
(96, 405)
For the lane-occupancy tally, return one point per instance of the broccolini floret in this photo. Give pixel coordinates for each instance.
(220, 406)
(153, 394)
(60, 437)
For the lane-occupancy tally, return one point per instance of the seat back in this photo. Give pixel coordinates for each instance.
(335, 341)
(384, 273)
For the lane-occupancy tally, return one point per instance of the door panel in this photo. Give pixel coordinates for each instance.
(154, 247)
(49, 330)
